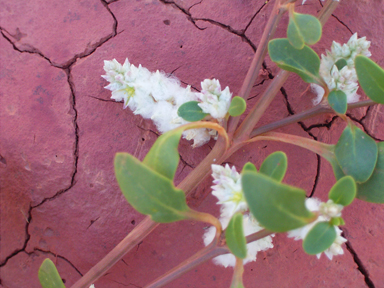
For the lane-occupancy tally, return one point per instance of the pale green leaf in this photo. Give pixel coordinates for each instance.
(163, 157)
(319, 238)
(373, 189)
(303, 29)
(234, 236)
(149, 192)
(277, 207)
(337, 99)
(344, 191)
(237, 106)
(275, 165)
(371, 78)
(304, 62)
(191, 111)
(356, 153)
(49, 276)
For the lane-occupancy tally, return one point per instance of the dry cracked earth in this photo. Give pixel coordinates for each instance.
(60, 131)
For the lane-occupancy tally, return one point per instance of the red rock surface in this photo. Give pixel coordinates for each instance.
(60, 131)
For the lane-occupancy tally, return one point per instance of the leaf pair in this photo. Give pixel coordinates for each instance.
(303, 29)
(148, 185)
(323, 234)
(191, 111)
(358, 155)
(276, 206)
(274, 166)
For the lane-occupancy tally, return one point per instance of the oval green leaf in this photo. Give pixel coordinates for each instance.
(356, 153)
(304, 62)
(337, 221)
(237, 106)
(191, 111)
(337, 99)
(278, 207)
(234, 236)
(249, 167)
(49, 276)
(275, 165)
(344, 191)
(371, 78)
(163, 157)
(373, 189)
(149, 192)
(303, 29)
(341, 63)
(319, 238)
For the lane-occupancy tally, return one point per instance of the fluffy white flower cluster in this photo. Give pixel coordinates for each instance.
(326, 212)
(344, 79)
(158, 97)
(212, 100)
(227, 189)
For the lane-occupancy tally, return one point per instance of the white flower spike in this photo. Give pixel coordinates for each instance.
(158, 97)
(344, 79)
(227, 189)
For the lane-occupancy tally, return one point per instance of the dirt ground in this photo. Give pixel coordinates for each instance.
(59, 132)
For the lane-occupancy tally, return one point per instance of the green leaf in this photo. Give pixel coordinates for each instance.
(237, 106)
(337, 99)
(304, 62)
(249, 167)
(371, 78)
(337, 221)
(148, 191)
(344, 191)
(319, 238)
(49, 276)
(356, 153)
(234, 236)
(278, 207)
(275, 165)
(341, 63)
(164, 156)
(303, 29)
(336, 167)
(373, 189)
(191, 112)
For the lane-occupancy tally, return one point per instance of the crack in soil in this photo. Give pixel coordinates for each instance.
(307, 130)
(88, 51)
(104, 100)
(74, 172)
(359, 263)
(27, 237)
(76, 148)
(57, 256)
(337, 18)
(31, 51)
(240, 33)
(360, 121)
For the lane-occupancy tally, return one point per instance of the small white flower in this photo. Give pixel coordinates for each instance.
(330, 209)
(335, 248)
(250, 226)
(92, 286)
(212, 100)
(326, 212)
(344, 79)
(228, 191)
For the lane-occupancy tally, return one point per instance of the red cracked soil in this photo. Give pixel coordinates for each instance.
(59, 135)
